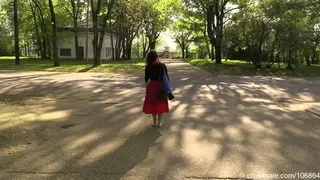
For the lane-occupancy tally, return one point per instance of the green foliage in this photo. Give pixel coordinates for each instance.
(35, 64)
(6, 35)
(281, 32)
(157, 15)
(242, 68)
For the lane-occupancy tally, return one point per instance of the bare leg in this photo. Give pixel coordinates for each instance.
(159, 120)
(154, 116)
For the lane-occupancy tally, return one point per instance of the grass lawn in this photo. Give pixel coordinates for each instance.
(243, 68)
(36, 64)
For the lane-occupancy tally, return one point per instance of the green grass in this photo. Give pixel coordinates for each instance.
(36, 64)
(243, 68)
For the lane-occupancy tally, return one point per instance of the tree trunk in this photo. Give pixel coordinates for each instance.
(95, 37)
(144, 46)
(39, 46)
(129, 50)
(219, 32)
(75, 24)
(210, 29)
(100, 45)
(44, 45)
(256, 57)
(98, 57)
(127, 46)
(212, 56)
(16, 32)
(182, 50)
(290, 60)
(218, 54)
(218, 50)
(111, 36)
(44, 30)
(54, 35)
(138, 46)
(49, 47)
(152, 45)
(307, 57)
(187, 52)
(28, 49)
(313, 57)
(184, 53)
(208, 47)
(98, 42)
(278, 60)
(118, 46)
(272, 60)
(123, 48)
(25, 50)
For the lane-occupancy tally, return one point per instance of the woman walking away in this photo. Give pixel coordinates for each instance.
(153, 78)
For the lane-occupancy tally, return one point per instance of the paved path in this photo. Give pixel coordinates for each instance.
(90, 126)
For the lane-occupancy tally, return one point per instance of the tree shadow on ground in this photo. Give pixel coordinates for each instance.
(217, 127)
(87, 69)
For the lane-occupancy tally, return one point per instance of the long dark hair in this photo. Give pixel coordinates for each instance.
(151, 57)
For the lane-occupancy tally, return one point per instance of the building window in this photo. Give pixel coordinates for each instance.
(65, 52)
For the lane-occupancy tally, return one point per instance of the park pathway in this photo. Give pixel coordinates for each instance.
(90, 126)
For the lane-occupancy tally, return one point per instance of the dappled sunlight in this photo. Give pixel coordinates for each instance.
(47, 116)
(197, 111)
(180, 111)
(134, 110)
(97, 90)
(268, 124)
(234, 133)
(14, 121)
(100, 151)
(217, 126)
(194, 151)
(307, 97)
(294, 130)
(205, 93)
(134, 125)
(184, 79)
(85, 140)
(256, 100)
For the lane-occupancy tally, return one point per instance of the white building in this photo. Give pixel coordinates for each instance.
(66, 44)
(167, 54)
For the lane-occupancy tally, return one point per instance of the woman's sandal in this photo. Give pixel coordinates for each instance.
(154, 125)
(159, 125)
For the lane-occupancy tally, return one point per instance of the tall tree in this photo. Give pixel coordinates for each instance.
(96, 9)
(75, 16)
(16, 32)
(43, 18)
(54, 34)
(183, 36)
(215, 13)
(157, 15)
(127, 21)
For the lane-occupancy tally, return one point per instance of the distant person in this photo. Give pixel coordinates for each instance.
(156, 99)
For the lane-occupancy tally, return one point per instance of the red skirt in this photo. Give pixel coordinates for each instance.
(152, 105)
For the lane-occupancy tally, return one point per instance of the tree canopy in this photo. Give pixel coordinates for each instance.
(273, 31)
